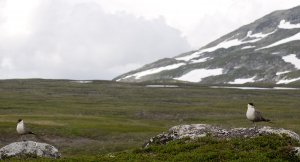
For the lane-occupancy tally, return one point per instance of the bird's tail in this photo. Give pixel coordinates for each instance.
(268, 120)
(31, 133)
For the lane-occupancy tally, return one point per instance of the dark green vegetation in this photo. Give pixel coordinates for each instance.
(263, 148)
(91, 120)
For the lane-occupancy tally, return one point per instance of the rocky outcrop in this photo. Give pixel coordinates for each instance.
(27, 149)
(297, 151)
(201, 130)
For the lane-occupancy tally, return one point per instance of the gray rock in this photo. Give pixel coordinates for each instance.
(201, 130)
(297, 151)
(29, 149)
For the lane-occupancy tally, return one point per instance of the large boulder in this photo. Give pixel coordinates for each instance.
(201, 130)
(297, 151)
(29, 149)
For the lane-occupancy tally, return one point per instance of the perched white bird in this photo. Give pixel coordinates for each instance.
(253, 115)
(21, 128)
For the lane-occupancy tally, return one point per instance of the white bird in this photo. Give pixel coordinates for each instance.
(22, 129)
(253, 115)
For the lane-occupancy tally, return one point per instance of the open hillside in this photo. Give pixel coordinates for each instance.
(90, 118)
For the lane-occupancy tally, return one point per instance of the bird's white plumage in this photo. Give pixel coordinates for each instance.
(21, 129)
(250, 112)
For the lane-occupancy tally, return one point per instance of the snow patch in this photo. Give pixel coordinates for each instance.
(230, 43)
(189, 57)
(256, 88)
(243, 80)
(200, 60)
(153, 71)
(287, 25)
(82, 81)
(287, 81)
(259, 35)
(275, 53)
(285, 88)
(284, 72)
(227, 44)
(198, 74)
(292, 58)
(248, 47)
(283, 41)
(162, 86)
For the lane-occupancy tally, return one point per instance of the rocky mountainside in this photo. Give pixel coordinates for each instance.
(265, 51)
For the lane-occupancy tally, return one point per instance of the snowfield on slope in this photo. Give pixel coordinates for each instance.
(198, 74)
(227, 44)
(243, 80)
(283, 72)
(287, 81)
(153, 71)
(292, 58)
(200, 60)
(259, 35)
(287, 25)
(256, 88)
(248, 47)
(283, 41)
(82, 81)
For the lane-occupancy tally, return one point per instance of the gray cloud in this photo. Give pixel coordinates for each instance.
(2, 5)
(216, 24)
(83, 42)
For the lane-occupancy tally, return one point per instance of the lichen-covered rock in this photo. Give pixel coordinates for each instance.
(201, 130)
(29, 149)
(297, 151)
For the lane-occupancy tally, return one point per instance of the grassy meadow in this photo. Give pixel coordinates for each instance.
(94, 119)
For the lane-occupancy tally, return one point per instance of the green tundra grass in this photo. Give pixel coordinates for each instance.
(99, 118)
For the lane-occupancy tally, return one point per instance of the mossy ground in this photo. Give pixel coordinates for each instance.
(86, 120)
(259, 149)
(265, 148)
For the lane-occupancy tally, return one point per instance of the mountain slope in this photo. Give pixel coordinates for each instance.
(266, 51)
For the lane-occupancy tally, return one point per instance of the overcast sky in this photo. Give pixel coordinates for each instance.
(100, 39)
